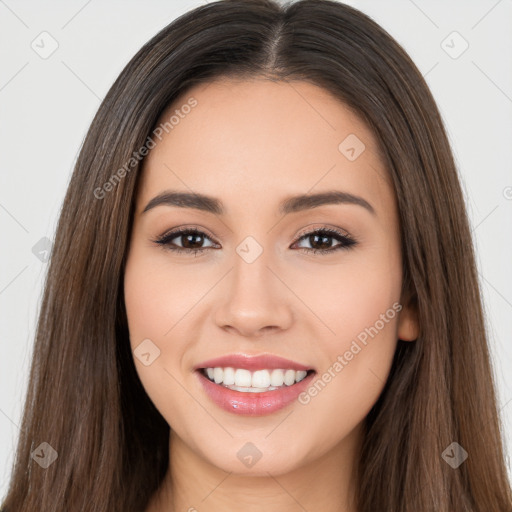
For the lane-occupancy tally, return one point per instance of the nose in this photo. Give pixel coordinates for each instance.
(253, 300)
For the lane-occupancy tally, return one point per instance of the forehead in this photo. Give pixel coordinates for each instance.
(257, 135)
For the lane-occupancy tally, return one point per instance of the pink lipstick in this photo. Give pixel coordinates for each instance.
(253, 385)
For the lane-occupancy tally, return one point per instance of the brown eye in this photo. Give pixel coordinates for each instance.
(321, 241)
(191, 240)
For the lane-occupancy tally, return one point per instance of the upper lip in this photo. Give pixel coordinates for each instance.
(259, 362)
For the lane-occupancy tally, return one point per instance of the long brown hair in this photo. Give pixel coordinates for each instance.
(84, 397)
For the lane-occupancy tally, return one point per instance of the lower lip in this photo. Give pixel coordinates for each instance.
(253, 404)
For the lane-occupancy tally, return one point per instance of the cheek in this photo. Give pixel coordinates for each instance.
(156, 299)
(351, 296)
(158, 295)
(359, 307)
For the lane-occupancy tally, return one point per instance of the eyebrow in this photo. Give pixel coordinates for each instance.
(290, 205)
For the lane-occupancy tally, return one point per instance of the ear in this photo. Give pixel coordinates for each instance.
(408, 325)
(408, 328)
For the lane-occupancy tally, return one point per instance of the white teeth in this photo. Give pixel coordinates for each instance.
(289, 377)
(229, 376)
(218, 375)
(277, 378)
(241, 379)
(261, 379)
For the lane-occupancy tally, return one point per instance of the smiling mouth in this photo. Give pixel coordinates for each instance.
(259, 381)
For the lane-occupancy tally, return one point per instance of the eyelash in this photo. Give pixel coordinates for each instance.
(348, 242)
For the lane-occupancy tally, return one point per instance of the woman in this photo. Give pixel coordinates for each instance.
(263, 291)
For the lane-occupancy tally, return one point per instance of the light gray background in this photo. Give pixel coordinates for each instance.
(46, 106)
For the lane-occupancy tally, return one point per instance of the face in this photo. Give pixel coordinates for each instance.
(259, 275)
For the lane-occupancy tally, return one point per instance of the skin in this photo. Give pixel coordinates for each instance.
(251, 144)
